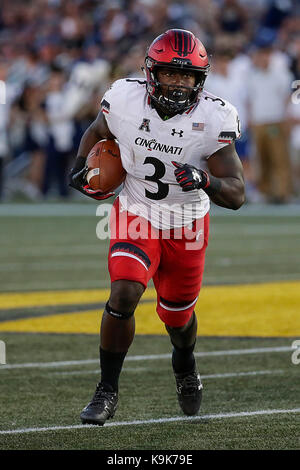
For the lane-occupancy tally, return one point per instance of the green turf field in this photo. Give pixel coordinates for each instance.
(51, 397)
(251, 387)
(44, 251)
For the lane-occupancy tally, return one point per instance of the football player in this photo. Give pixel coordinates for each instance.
(177, 147)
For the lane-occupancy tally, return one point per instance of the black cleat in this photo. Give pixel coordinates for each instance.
(102, 407)
(189, 392)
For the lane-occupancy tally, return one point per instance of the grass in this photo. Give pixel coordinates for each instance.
(55, 252)
(54, 396)
(60, 252)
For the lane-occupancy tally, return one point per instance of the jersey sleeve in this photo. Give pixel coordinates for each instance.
(226, 132)
(113, 105)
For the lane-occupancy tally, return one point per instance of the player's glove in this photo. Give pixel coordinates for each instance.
(189, 177)
(78, 181)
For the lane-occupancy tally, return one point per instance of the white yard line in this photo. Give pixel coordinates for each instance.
(209, 376)
(97, 371)
(228, 352)
(154, 421)
(242, 374)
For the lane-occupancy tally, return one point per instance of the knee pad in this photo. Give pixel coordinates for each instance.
(117, 314)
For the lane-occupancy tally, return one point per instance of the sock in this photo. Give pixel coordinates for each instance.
(183, 359)
(111, 365)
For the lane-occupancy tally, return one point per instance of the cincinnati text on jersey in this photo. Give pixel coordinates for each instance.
(152, 144)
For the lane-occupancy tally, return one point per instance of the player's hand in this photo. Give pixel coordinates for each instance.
(96, 194)
(78, 181)
(189, 177)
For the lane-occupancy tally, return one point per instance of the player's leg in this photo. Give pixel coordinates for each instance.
(131, 265)
(183, 339)
(116, 335)
(178, 282)
(117, 329)
(188, 382)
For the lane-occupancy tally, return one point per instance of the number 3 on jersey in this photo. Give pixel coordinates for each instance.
(160, 170)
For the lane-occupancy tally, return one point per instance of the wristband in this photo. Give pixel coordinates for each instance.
(213, 185)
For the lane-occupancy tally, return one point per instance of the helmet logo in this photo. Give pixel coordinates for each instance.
(183, 44)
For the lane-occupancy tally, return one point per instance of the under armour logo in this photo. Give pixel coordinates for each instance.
(196, 176)
(180, 133)
(145, 125)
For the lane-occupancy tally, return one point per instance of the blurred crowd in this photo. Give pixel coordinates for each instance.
(57, 58)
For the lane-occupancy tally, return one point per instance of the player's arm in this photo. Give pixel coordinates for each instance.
(224, 183)
(98, 130)
(227, 187)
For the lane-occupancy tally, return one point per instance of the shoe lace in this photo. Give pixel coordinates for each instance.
(101, 396)
(188, 385)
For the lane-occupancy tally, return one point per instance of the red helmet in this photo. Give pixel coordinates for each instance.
(179, 49)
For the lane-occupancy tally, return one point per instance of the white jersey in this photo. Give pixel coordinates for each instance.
(148, 145)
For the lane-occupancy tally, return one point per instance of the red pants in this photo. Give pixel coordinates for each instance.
(174, 259)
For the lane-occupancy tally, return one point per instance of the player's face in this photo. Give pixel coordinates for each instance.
(175, 85)
(174, 78)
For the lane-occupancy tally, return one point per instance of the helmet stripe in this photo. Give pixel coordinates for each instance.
(179, 47)
(185, 44)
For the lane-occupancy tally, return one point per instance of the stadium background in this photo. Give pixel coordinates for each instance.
(57, 58)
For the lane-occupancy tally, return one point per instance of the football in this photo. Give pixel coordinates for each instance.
(105, 170)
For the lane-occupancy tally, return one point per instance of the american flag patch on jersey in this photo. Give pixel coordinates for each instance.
(198, 126)
(105, 106)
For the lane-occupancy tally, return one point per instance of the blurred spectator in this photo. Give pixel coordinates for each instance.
(61, 131)
(131, 64)
(4, 115)
(294, 124)
(227, 80)
(69, 109)
(94, 43)
(294, 120)
(27, 138)
(232, 17)
(269, 87)
(276, 13)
